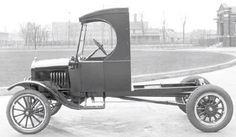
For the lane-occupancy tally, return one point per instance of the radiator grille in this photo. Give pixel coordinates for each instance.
(60, 78)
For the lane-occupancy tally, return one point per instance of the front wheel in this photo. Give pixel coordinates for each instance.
(28, 111)
(209, 108)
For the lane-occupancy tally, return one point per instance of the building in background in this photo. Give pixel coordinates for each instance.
(8, 40)
(140, 33)
(68, 33)
(3, 38)
(65, 33)
(226, 25)
(203, 37)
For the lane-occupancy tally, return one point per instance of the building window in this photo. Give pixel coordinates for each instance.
(221, 28)
(226, 15)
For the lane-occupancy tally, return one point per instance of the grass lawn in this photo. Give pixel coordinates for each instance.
(15, 65)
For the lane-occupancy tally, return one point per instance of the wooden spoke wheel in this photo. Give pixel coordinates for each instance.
(28, 111)
(209, 108)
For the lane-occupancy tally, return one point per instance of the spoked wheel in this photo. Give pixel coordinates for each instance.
(209, 108)
(55, 106)
(184, 99)
(28, 111)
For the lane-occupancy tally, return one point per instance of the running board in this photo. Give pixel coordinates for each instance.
(152, 101)
(92, 107)
(85, 106)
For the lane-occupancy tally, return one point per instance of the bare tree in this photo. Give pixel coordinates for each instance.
(34, 34)
(24, 33)
(184, 22)
(164, 29)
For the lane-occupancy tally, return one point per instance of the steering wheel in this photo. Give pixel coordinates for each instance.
(100, 46)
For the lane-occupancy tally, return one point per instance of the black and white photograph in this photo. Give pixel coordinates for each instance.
(117, 68)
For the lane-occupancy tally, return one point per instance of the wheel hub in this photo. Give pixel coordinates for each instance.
(210, 110)
(28, 112)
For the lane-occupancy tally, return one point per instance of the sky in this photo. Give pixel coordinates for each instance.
(199, 14)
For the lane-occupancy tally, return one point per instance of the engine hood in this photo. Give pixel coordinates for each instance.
(62, 62)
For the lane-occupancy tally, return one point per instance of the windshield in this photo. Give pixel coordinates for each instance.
(97, 41)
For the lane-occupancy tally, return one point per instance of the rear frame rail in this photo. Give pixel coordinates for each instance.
(170, 85)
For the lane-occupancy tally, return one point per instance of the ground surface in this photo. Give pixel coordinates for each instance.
(15, 64)
(129, 119)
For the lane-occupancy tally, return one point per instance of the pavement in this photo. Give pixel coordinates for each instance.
(128, 118)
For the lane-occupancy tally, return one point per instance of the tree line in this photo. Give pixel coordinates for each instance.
(34, 34)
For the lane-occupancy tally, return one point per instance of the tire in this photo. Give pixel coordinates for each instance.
(55, 106)
(184, 99)
(209, 108)
(28, 111)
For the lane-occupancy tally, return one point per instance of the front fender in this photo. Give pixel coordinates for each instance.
(29, 83)
(58, 96)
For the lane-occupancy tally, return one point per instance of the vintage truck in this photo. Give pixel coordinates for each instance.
(70, 82)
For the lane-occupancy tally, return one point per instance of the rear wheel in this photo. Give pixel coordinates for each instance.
(184, 99)
(28, 111)
(209, 108)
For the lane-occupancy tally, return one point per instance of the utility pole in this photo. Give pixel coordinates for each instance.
(164, 29)
(52, 33)
(68, 32)
(35, 29)
(142, 23)
(229, 26)
(184, 29)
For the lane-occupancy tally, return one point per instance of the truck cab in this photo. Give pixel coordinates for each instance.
(111, 71)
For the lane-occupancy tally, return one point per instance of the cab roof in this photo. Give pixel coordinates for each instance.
(118, 18)
(97, 15)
